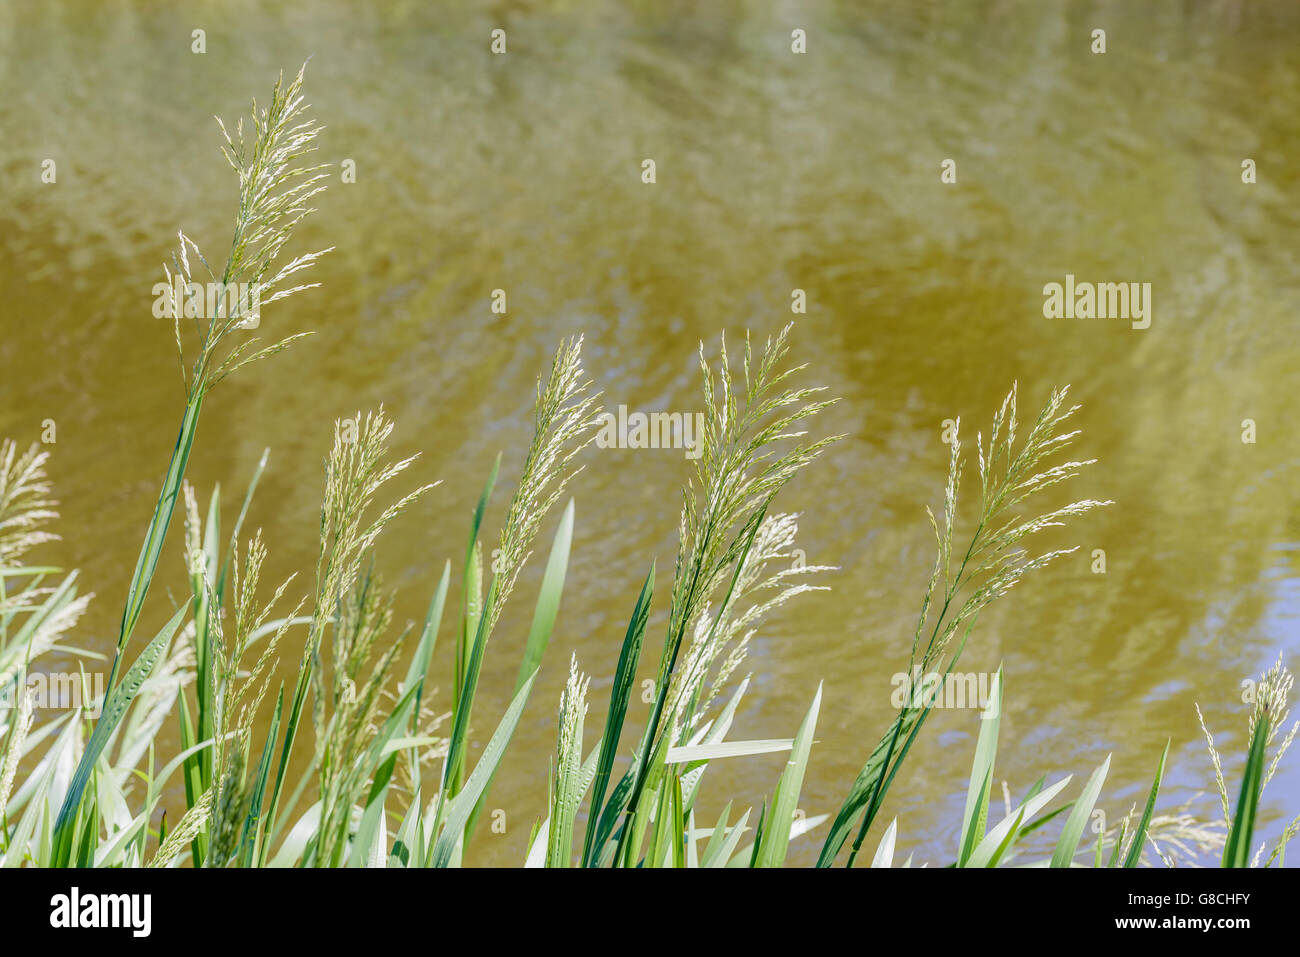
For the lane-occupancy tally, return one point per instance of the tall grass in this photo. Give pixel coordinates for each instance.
(390, 781)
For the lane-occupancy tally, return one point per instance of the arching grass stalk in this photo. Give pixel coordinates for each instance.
(737, 476)
(274, 192)
(351, 520)
(565, 420)
(992, 563)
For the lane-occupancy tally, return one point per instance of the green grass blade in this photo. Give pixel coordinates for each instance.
(114, 710)
(684, 754)
(1011, 828)
(544, 615)
(456, 747)
(1119, 844)
(715, 837)
(548, 598)
(368, 835)
(604, 848)
(1236, 849)
(243, 513)
(884, 856)
(1068, 845)
(1140, 835)
(253, 830)
(624, 680)
(418, 670)
(1007, 841)
(408, 836)
(193, 774)
(657, 851)
(472, 578)
(677, 830)
(458, 811)
(722, 856)
(477, 522)
(147, 562)
(775, 842)
(976, 813)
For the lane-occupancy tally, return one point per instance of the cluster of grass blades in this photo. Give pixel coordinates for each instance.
(1169, 838)
(389, 781)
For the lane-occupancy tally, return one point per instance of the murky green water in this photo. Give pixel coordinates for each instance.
(774, 171)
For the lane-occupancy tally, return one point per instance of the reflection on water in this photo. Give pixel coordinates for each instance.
(774, 171)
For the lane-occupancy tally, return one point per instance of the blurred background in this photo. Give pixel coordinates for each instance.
(818, 171)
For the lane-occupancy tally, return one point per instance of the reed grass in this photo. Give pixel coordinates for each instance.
(391, 781)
